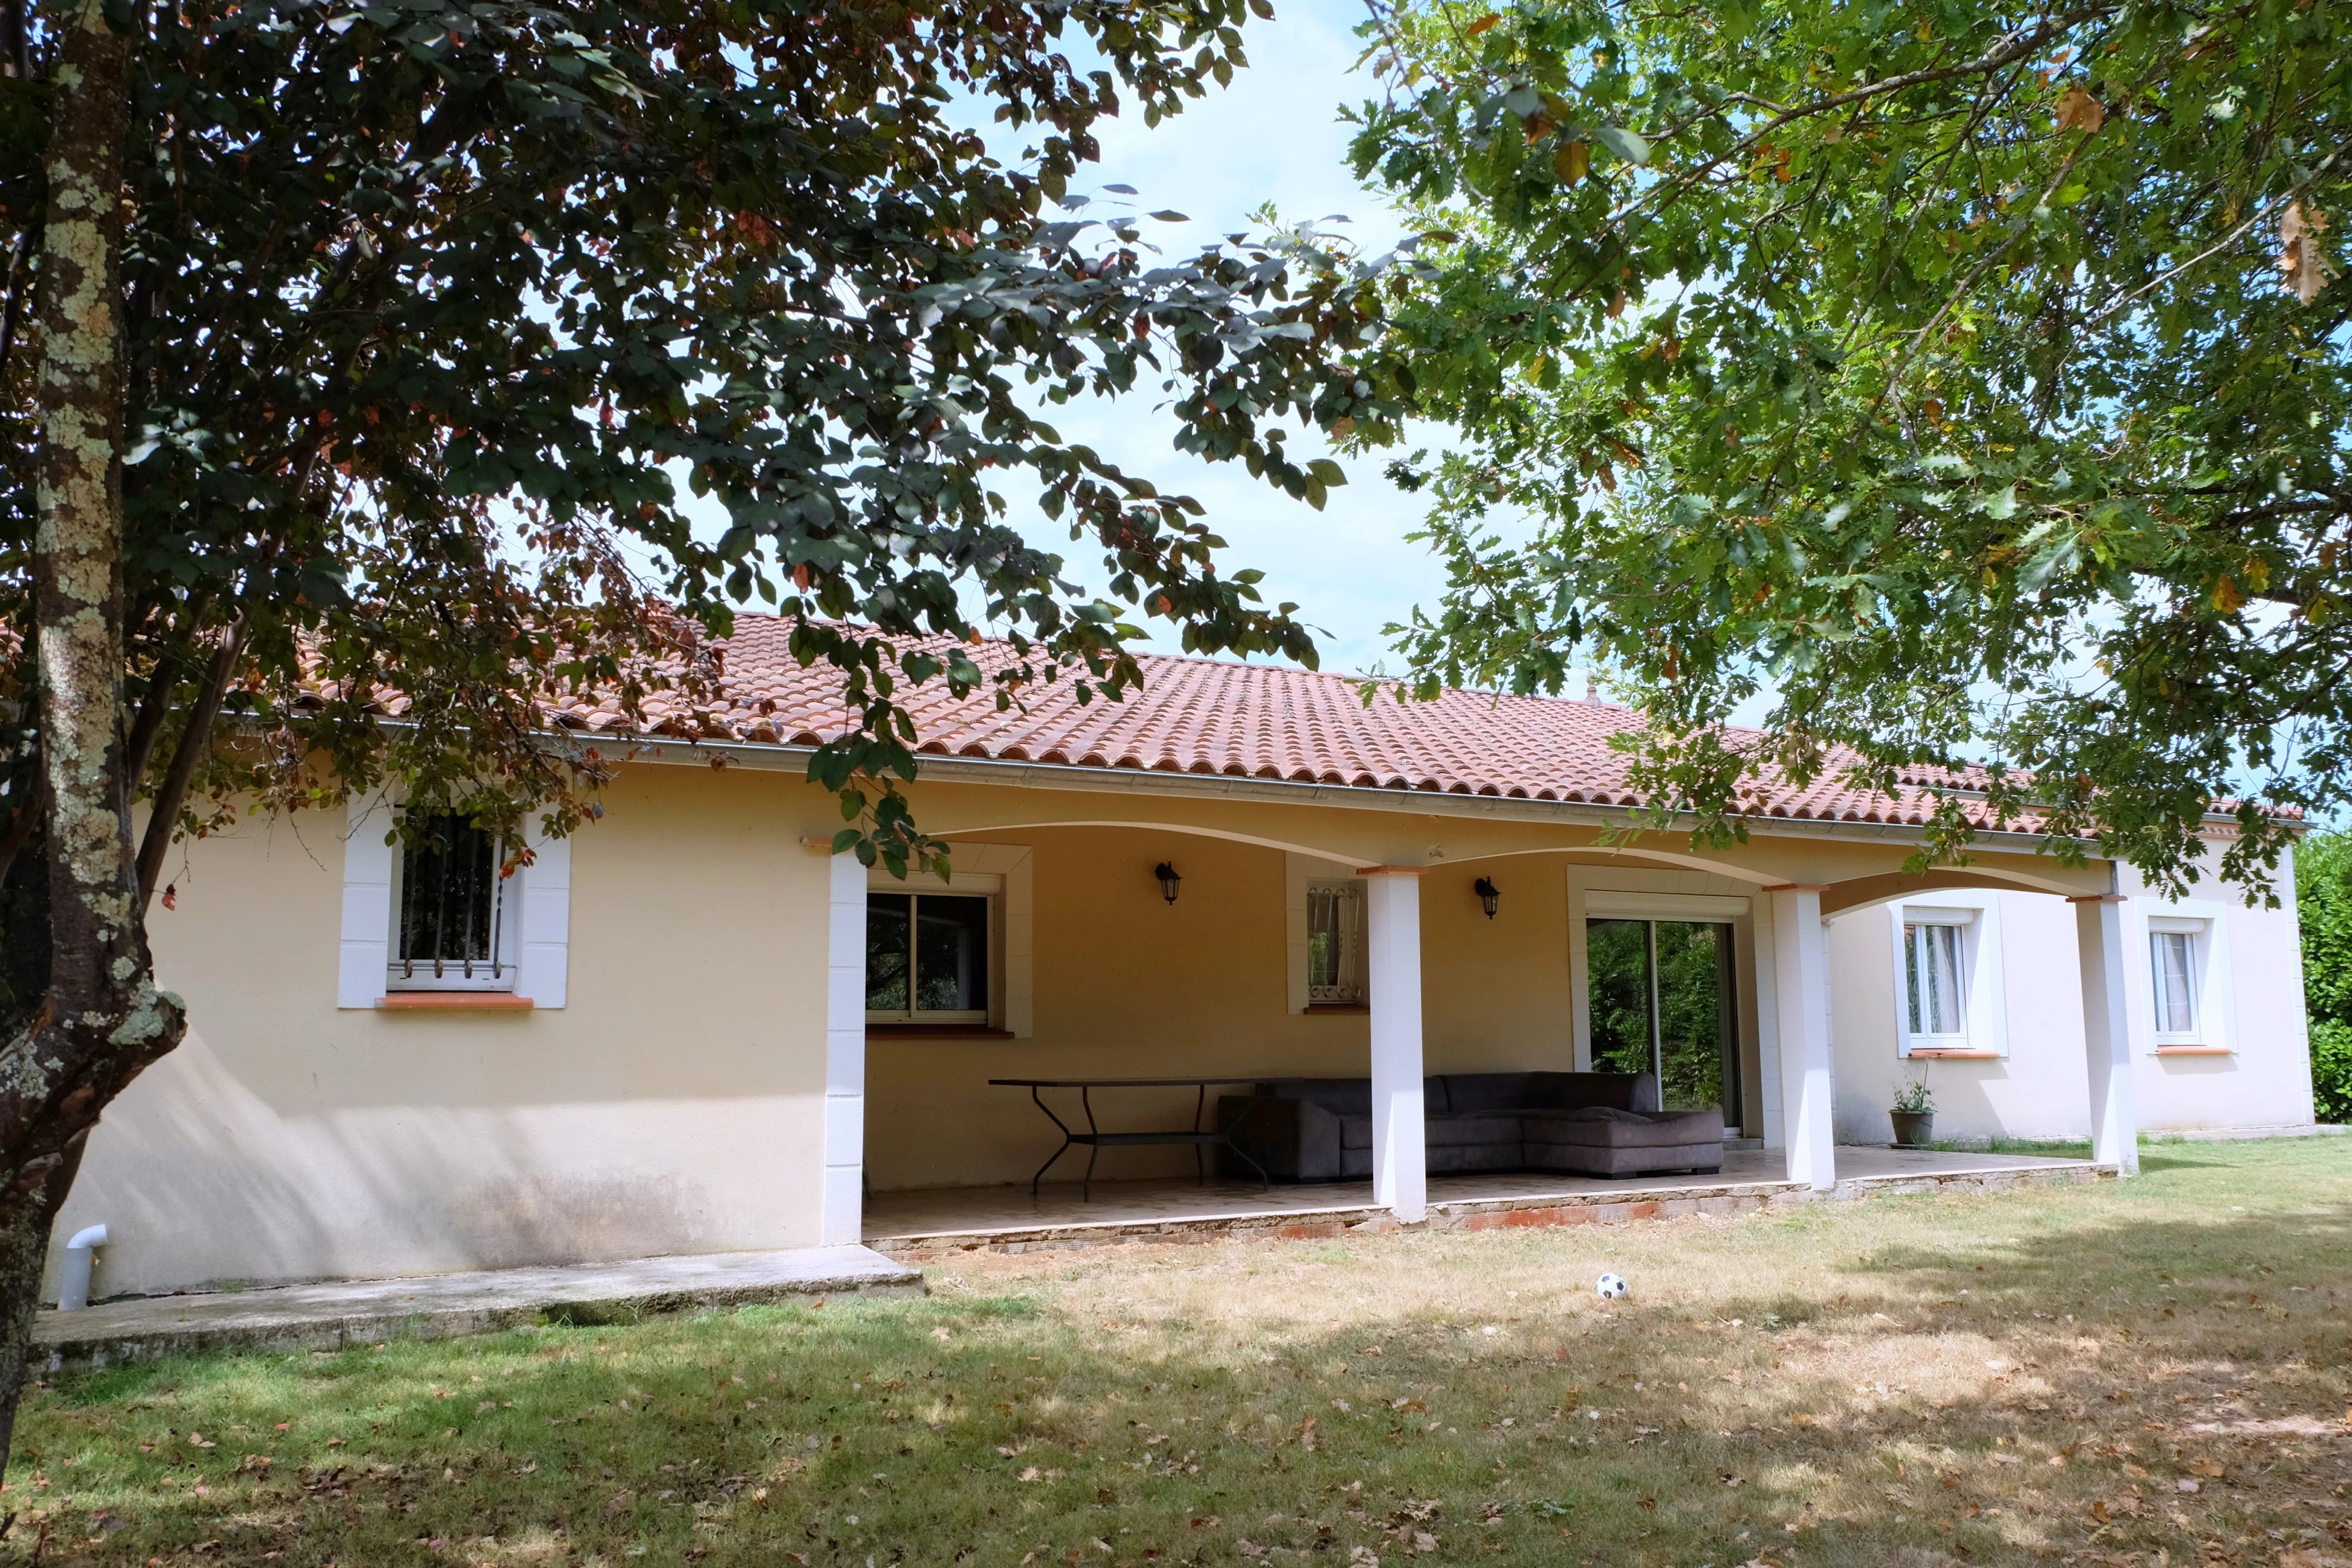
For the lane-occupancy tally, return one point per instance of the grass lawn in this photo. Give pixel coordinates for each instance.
(2153, 1372)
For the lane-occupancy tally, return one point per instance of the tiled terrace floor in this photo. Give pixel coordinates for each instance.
(933, 1220)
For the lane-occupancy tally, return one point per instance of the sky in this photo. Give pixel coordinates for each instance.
(1275, 135)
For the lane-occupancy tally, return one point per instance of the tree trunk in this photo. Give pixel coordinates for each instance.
(32, 1210)
(101, 1019)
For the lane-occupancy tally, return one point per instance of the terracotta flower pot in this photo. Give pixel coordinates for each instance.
(1912, 1129)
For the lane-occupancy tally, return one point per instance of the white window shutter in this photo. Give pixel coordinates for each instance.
(367, 906)
(545, 971)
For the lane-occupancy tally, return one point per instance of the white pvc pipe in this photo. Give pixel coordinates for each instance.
(73, 1284)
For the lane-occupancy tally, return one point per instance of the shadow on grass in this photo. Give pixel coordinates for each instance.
(1738, 1422)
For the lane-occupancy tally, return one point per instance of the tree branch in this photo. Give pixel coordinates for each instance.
(196, 741)
(23, 825)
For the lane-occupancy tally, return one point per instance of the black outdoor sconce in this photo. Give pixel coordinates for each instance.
(1488, 894)
(1168, 879)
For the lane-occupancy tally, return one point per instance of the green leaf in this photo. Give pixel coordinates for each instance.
(1623, 143)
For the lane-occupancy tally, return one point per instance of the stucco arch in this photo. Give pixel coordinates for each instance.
(1320, 852)
(1861, 893)
(1670, 860)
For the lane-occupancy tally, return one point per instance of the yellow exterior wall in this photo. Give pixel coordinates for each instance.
(1128, 986)
(674, 1105)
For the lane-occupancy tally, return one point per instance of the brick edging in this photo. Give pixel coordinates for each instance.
(1472, 1214)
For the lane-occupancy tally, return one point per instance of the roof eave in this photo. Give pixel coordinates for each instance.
(1284, 791)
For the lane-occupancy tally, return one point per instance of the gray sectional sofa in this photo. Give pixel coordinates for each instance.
(1590, 1124)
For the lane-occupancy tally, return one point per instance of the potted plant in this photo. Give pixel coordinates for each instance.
(1914, 1115)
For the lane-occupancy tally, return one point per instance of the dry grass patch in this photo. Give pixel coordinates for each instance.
(2153, 1372)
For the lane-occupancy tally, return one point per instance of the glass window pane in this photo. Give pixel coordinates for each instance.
(1323, 939)
(1932, 979)
(2176, 1011)
(1694, 1027)
(1947, 944)
(950, 954)
(889, 951)
(1911, 966)
(1617, 967)
(448, 894)
(1335, 938)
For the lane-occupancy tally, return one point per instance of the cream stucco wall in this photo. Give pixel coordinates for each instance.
(1127, 985)
(676, 1102)
(673, 1105)
(2039, 1089)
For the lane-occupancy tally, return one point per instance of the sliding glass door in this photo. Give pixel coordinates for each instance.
(1664, 999)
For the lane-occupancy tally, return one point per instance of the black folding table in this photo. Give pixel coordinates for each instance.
(1096, 1140)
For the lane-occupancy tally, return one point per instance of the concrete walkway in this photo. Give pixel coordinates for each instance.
(336, 1314)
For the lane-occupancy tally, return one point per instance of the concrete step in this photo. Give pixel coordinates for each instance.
(338, 1314)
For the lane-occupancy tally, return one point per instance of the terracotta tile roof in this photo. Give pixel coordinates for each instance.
(1221, 718)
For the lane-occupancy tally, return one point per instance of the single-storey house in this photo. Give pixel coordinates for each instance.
(691, 1028)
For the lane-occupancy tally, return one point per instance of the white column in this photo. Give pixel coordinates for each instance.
(842, 1223)
(2108, 1021)
(1801, 1000)
(1393, 979)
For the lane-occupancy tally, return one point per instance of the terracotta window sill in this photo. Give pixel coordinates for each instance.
(1955, 1056)
(2194, 1050)
(455, 1001)
(1338, 1007)
(935, 1031)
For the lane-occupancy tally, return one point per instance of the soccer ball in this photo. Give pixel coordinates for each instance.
(1611, 1286)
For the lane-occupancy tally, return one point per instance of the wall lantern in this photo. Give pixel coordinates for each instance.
(1168, 879)
(1488, 894)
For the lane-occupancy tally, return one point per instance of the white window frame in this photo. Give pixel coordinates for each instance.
(2211, 999)
(538, 932)
(1983, 988)
(1303, 875)
(964, 885)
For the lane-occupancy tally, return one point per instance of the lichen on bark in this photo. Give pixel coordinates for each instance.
(102, 1018)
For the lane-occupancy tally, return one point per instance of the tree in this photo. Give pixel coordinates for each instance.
(2323, 886)
(1967, 385)
(372, 345)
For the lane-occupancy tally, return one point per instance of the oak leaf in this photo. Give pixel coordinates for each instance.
(2078, 110)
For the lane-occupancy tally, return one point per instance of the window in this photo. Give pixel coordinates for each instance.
(927, 957)
(1934, 984)
(454, 931)
(1662, 997)
(2172, 964)
(1335, 943)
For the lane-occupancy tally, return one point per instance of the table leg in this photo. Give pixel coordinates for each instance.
(1057, 1153)
(1266, 1182)
(1199, 1165)
(1094, 1148)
